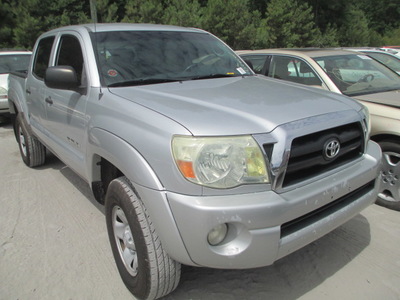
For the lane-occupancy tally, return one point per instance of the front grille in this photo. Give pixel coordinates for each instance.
(307, 157)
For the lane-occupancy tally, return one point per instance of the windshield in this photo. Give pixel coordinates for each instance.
(356, 74)
(388, 60)
(148, 57)
(14, 62)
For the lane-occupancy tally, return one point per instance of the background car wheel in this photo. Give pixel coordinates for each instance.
(145, 268)
(389, 195)
(32, 151)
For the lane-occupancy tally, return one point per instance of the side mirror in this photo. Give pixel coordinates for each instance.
(61, 77)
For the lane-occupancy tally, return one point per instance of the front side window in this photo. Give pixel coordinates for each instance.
(356, 74)
(42, 57)
(149, 57)
(70, 54)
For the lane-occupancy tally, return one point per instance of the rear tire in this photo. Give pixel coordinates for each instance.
(145, 268)
(32, 151)
(389, 195)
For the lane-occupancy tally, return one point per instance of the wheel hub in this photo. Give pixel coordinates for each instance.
(390, 175)
(128, 239)
(22, 141)
(124, 240)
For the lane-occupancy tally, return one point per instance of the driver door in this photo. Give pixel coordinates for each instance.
(66, 117)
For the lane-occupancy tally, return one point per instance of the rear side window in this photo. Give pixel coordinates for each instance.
(70, 54)
(42, 57)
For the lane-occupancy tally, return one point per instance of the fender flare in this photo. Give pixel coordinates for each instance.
(104, 144)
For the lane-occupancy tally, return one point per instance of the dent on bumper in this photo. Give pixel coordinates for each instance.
(255, 236)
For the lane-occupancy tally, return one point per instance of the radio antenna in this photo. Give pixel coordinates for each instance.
(93, 11)
(93, 14)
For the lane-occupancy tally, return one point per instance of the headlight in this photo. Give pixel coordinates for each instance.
(220, 162)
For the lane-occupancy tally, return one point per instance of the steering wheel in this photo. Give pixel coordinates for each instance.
(367, 78)
(201, 61)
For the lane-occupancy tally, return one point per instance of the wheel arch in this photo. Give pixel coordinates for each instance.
(15, 102)
(110, 157)
(386, 137)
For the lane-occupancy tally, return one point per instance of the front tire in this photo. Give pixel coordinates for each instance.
(32, 151)
(389, 195)
(145, 268)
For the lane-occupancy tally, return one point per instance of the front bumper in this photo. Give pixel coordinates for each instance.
(266, 226)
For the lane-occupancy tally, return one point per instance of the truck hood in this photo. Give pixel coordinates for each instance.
(391, 98)
(238, 105)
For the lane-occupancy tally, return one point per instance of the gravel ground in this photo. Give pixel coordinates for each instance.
(54, 245)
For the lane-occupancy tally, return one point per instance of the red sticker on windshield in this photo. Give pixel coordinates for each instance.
(112, 73)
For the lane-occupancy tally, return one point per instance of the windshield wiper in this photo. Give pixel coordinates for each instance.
(371, 90)
(213, 76)
(143, 81)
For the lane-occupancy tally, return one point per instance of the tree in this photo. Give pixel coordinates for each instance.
(183, 13)
(33, 17)
(291, 24)
(392, 38)
(328, 38)
(232, 21)
(354, 31)
(382, 15)
(143, 11)
(6, 24)
(107, 11)
(28, 25)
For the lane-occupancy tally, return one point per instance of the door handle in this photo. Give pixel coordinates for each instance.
(49, 100)
(28, 91)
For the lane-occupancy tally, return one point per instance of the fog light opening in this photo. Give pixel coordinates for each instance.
(217, 234)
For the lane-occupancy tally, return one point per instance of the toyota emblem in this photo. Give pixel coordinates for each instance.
(331, 149)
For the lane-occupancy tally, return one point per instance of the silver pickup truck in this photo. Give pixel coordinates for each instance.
(198, 160)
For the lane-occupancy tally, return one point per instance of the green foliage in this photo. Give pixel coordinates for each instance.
(232, 21)
(392, 38)
(354, 31)
(33, 17)
(243, 24)
(6, 18)
(186, 13)
(291, 24)
(329, 38)
(107, 11)
(143, 11)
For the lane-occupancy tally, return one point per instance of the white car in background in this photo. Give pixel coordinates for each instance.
(395, 50)
(10, 61)
(388, 59)
(353, 74)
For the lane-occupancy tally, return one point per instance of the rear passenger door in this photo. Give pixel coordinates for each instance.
(66, 109)
(35, 87)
